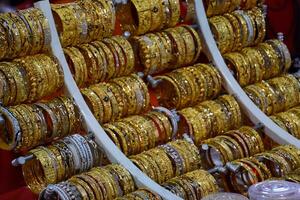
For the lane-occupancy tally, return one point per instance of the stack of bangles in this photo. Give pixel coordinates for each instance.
(210, 118)
(188, 86)
(169, 160)
(59, 161)
(233, 145)
(214, 7)
(22, 33)
(118, 98)
(106, 182)
(138, 133)
(276, 163)
(275, 95)
(29, 125)
(238, 29)
(29, 79)
(168, 49)
(84, 21)
(139, 17)
(193, 185)
(266, 60)
(118, 182)
(289, 121)
(100, 61)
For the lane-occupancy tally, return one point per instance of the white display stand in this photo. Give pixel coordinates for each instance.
(112, 151)
(232, 86)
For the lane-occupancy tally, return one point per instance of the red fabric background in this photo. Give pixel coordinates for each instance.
(11, 179)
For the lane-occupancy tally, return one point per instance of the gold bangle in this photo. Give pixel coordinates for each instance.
(196, 124)
(185, 88)
(240, 65)
(254, 136)
(61, 169)
(129, 54)
(165, 49)
(110, 59)
(197, 42)
(222, 31)
(86, 188)
(174, 6)
(144, 10)
(125, 179)
(179, 51)
(215, 85)
(120, 57)
(282, 165)
(100, 90)
(189, 44)
(256, 62)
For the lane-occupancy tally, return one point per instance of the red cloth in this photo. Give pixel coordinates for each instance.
(281, 18)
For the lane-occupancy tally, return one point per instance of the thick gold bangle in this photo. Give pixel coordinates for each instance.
(197, 42)
(66, 17)
(144, 10)
(254, 135)
(214, 88)
(110, 59)
(184, 88)
(240, 65)
(165, 49)
(47, 166)
(222, 31)
(236, 27)
(120, 59)
(189, 44)
(282, 165)
(121, 137)
(259, 19)
(8, 22)
(77, 65)
(27, 129)
(36, 125)
(125, 179)
(131, 135)
(275, 66)
(257, 64)
(179, 51)
(73, 114)
(154, 44)
(61, 169)
(129, 54)
(10, 98)
(175, 12)
(100, 90)
(196, 124)
(88, 192)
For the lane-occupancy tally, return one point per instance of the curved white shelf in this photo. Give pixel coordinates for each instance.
(111, 150)
(231, 85)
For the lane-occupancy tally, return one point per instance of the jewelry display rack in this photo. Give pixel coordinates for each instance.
(91, 124)
(257, 117)
(211, 50)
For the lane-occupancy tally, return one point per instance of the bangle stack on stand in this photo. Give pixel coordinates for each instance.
(171, 127)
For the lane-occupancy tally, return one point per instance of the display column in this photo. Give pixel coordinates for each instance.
(91, 124)
(232, 86)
